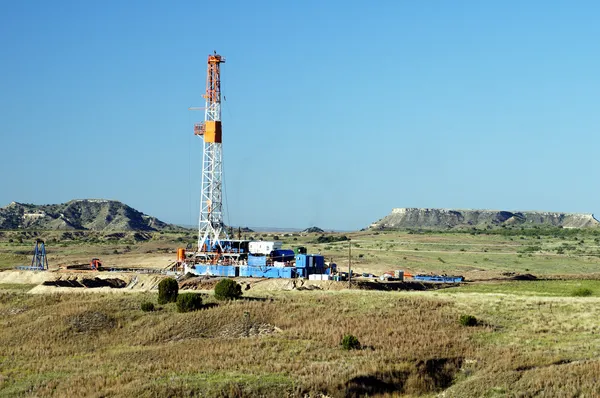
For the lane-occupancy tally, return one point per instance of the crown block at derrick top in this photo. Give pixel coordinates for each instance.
(212, 132)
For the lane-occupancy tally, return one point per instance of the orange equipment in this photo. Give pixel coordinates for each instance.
(180, 255)
(95, 264)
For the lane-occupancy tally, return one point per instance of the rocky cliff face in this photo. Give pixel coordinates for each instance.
(84, 214)
(402, 218)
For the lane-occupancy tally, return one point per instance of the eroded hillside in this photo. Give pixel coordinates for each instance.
(404, 218)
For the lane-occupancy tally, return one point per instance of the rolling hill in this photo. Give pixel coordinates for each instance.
(80, 214)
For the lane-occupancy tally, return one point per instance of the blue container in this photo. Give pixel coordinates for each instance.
(257, 261)
(439, 278)
(227, 270)
(318, 261)
(217, 270)
(301, 261)
(267, 272)
(201, 269)
(282, 255)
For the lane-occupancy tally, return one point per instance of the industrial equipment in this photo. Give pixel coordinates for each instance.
(95, 264)
(39, 262)
(439, 278)
(218, 254)
(211, 230)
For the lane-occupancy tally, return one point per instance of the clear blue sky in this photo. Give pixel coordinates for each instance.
(336, 111)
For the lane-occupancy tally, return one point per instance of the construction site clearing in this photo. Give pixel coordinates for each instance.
(77, 281)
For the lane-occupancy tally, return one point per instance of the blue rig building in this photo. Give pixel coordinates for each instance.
(255, 259)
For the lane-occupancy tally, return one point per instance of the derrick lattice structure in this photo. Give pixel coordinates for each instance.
(39, 260)
(211, 229)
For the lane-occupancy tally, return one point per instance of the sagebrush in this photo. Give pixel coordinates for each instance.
(228, 289)
(168, 289)
(187, 302)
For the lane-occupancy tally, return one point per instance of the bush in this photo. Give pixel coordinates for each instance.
(582, 292)
(228, 289)
(468, 320)
(330, 239)
(167, 291)
(147, 306)
(350, 342)
(187, 302)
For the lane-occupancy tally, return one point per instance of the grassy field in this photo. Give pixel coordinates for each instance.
(287, 344)
(533, 338)
(480, 255)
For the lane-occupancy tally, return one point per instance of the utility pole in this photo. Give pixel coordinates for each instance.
(349, 264)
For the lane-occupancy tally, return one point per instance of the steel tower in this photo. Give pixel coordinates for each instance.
(39, 260)
(210, 225)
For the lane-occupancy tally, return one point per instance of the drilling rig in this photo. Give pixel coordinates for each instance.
(211, 229)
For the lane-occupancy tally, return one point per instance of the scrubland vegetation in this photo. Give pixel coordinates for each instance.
(493, 338)
(288, 343)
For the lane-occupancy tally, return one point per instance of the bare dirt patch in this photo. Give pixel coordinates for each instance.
(90, 322)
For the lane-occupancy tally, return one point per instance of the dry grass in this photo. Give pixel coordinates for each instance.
(97, 345)
(81, 345)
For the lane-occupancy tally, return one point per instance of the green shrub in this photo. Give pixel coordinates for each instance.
(350, 342)
(147, 306)
(187, 302)
(582, 292)
(468, 320)
(228, 289)
(330, 239)
(167, 291)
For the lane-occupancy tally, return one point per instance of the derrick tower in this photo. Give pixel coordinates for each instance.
(211, 229)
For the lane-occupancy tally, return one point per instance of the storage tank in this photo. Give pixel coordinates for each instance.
(180, 255)
(282, 255)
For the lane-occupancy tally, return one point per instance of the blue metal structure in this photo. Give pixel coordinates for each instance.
(39, 262)
(257, 261)
(282, 255)
(216, 270)
(311, 264)
(262, 266)
(267, 272)
(439, 278)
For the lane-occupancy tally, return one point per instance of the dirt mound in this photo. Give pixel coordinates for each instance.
(524, 277)
(29, 277)
(309, 287)
(88, 283)
(189, 282)
(90, 322)
(397, 285)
